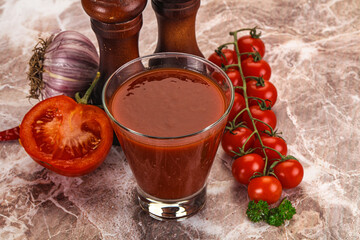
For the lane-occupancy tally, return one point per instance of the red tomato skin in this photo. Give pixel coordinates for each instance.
(266, 188)
(268, 91)
(256, 69)
(243, 168)
(217, 76)
(10, 134)
(235, 140)
(239, 104)
(290, 173)
(69, 167)
(235, 78)
(267, 116)
(248, 43)
(276, 143)
(231, 57)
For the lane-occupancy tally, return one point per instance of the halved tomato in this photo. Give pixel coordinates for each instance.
(66, 137)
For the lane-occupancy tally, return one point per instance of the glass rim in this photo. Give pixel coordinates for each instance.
(164, 54)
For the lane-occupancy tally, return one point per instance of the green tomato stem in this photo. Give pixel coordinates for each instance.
(225, 68)
(248, 139)
(224, 45)
(85, 98)
(258, 120)
(272, 149)
(237, 115)
(247, 108)
(252, 32)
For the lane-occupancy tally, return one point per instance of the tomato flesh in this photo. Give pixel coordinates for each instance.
(52, 138)
(69, 138)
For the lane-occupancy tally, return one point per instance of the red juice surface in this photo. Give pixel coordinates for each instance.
(169, 103)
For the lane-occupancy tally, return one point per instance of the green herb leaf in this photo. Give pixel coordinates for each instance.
(257, 211)
(275, 217)
(287, 209)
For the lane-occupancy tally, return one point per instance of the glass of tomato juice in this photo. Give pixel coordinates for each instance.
(169, 111)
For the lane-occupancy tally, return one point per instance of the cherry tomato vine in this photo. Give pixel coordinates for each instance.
(250, 134)
(244, 88)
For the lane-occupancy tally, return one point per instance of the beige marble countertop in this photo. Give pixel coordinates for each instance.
(313, 48)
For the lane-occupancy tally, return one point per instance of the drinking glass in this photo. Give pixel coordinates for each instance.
(171, 172)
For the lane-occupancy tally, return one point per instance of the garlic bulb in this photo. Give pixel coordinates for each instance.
(66, 63)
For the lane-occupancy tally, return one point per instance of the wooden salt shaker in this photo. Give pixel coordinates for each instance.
(116, 24)
(176, 25)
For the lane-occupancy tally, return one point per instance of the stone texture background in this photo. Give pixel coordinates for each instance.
(313, 48)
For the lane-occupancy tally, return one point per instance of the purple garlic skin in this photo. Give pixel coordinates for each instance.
(70, 64)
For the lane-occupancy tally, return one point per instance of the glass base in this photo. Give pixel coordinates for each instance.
(178, 209)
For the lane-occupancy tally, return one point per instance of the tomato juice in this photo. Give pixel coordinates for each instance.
(160, 118)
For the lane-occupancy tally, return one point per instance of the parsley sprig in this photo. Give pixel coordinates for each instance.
(275, 216)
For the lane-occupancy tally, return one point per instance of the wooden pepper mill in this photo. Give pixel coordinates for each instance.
(116, 24)
(176, 25)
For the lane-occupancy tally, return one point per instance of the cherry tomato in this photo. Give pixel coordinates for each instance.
(267, 116)
(266, 188)
(267, 91)
(235, 78)
(290, 173)
(256, 69)
(239, 104)
(219, 77)
(250, 44)
(66, 137)
(231, 57)
(232, 141)
(276, 143)
(244, 167)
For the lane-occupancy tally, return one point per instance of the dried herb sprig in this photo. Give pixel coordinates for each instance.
(36, 68)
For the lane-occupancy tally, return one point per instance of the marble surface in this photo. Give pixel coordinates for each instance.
(313, 48)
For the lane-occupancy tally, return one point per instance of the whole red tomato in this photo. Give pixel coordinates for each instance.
(261, 89)
(66, 137)
(235, 139)
(273, 142)
(230, 57)
(250, 44)
(290, 173)
(267, 116)
(244, 167)
(253, 68)
(266, 188)
(239, 104)
(235, 78)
